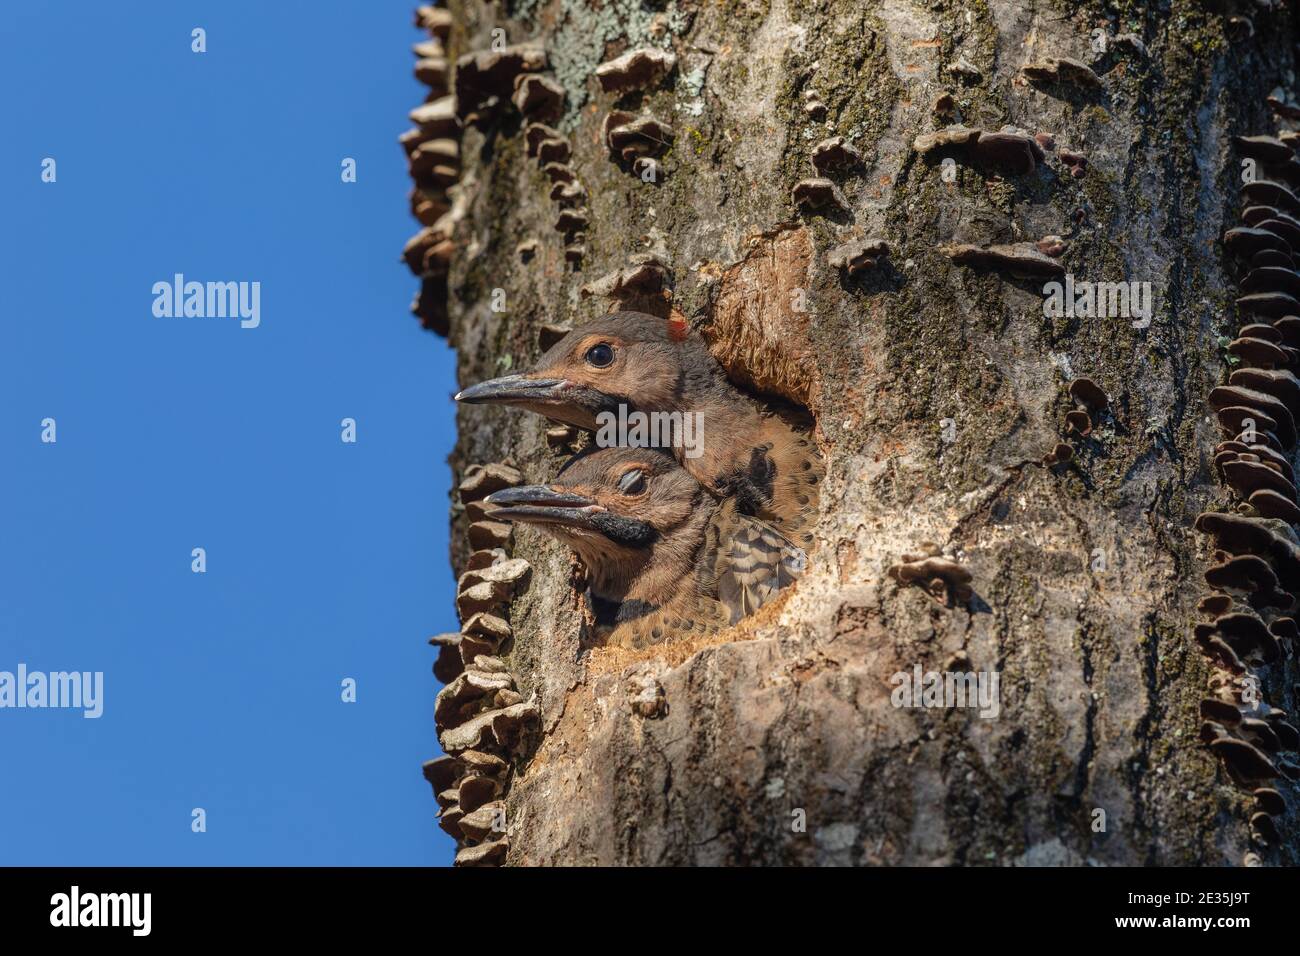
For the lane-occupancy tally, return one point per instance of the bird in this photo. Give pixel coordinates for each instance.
(761, 457)
(665, 560)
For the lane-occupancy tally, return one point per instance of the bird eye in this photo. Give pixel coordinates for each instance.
(601, 355)
(632, 482)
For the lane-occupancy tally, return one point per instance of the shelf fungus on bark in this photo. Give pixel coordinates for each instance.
(1258, 352)
(635, 70)
(1246, 475)
(1067, 70)
(1078, 423)
(569, 194)
(486, 589)
(1214, 604)
(646, 274)
(488, 556)
(482, 479)
(1282, 105)
(537, 133)
(433, 162)
(813, 106)
(571, 221)
(1269, 800)
(436, 119)
(1090, 400)
(946, 581)
(835, 155)
(1249, 575)
(632, 137)
(486, 77)
(435, 159)
(1076, 162)
(561, 173)
(1258, 403)
(497, 728)
(1009, 150)
(537, 97)
(437, 20)
(818, 195)
(466, 696)
(1061, 453)
(858, 255)
(957, 135)
(449, 664)
(1257, 554)
(1221, 711)
(1248, 635)
(1021, 259)
(1217, 649)
(1265, 192)
(433, 72)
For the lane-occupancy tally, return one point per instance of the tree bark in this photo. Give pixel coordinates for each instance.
(939, 391)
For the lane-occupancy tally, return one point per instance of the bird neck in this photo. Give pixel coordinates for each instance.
(651, 577)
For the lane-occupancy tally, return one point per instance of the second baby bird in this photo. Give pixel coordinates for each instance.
(665, 560)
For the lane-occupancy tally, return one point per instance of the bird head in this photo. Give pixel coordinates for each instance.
(623, 510)
(625, 358)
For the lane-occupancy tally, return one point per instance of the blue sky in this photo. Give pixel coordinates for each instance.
(325, 560)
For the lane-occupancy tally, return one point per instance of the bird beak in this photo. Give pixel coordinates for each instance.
(547, 396)
(514, 390)
(540, 504)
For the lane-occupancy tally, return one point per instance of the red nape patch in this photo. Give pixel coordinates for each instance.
(677, 327)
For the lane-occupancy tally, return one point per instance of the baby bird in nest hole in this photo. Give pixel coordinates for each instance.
(665, 559)
(762, 458)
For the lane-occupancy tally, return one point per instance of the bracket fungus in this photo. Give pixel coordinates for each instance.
(1241, 534)
(1051, 69)
(1248, 574)
(1008, 150)
(537, 97)
(1022, 259)
(948, 136)
(831, 155)
(858, 255)
(437, 20)
(1214, 604)
(635, 69)
(1258, 352)
(485, 77)
(482, 479)
(1060, 454)
(645, 274)
(817, 194)
(1222, 711)
(1238, 396)
(942, 578)
(1265, 192)
(437, 118)
(634, 137)
(1271, 504)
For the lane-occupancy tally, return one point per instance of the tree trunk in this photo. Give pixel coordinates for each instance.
(940, 387)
